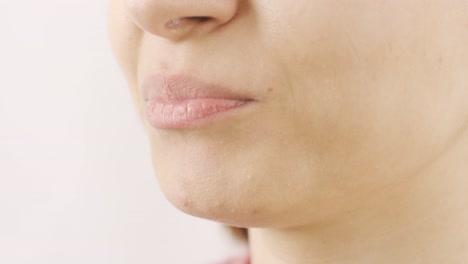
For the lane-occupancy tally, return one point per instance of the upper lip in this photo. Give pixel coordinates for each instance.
(178, 87)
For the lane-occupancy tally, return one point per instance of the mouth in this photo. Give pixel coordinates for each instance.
(185, 102)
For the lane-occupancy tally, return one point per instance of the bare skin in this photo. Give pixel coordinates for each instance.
(356, 148)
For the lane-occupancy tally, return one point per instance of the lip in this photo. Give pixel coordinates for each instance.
(183, 102)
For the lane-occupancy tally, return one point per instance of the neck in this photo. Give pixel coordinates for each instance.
(422, 220)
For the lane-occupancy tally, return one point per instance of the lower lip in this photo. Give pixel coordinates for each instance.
(190, 113)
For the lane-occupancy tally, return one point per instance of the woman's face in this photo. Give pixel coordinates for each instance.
(343, 99)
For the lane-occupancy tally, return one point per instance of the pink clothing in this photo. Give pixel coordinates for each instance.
(238, 260)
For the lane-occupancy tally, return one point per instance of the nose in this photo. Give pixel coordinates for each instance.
(178, 19)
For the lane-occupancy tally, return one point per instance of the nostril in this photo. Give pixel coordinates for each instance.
(177, 22)
(200, 19)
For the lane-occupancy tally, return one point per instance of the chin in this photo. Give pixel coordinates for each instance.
(212, 201)
(211, 195)
(232, 177)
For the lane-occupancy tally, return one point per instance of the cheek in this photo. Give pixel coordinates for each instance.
(363, 90)
(124, 38)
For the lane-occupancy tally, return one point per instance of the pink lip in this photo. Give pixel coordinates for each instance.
(180, 101)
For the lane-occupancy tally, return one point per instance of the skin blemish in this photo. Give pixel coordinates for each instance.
(440, 60)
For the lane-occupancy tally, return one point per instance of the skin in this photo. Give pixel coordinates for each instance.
(356, 151)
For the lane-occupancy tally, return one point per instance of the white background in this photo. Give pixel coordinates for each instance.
(76, 184)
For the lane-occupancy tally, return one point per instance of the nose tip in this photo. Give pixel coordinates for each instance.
(177, 19)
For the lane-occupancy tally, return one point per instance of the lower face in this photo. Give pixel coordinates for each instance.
(353, 97)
